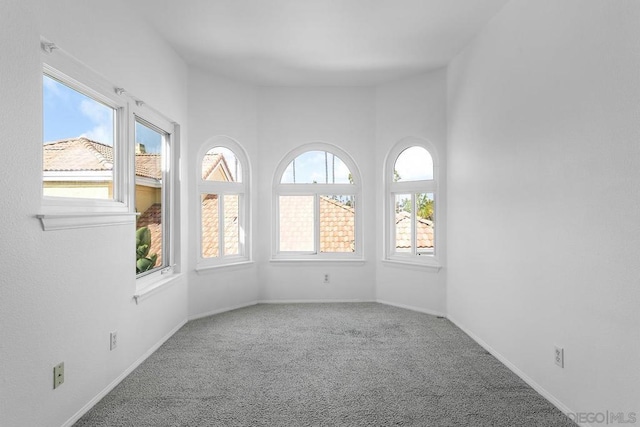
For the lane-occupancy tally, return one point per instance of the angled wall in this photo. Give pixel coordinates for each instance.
(62, 292)
(543, 236)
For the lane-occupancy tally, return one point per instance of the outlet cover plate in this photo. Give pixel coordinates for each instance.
(113, 340)
(559, 356)
(58, 375)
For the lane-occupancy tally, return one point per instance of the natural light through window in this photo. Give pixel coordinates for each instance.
(223, 199)
(78, 143)
(149, 195)
(411, 195)
(316, 193)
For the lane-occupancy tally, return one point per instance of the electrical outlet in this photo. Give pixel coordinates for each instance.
(326, 278)
(58, 375)
(113, 340)
(559, 356)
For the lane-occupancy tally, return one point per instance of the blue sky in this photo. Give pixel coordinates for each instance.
(68, 113)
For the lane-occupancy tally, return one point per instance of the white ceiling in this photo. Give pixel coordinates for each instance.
(318, 42)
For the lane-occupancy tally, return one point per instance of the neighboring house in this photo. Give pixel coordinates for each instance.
(424, 233)
(83, 168)
(80, 167)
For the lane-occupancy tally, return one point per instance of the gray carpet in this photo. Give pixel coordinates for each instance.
(322, 365)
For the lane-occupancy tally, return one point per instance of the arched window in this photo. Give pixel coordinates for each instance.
(317, 192)
(223, 195)
(411, 190)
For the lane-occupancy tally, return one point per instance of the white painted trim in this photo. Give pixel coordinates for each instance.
(230, 266)
(433, 263)
(221, 310)
(412, 308)
(322, 258)
(51, 222)
(153, 284)
(537, 387)
(312, 301)
(122, 376)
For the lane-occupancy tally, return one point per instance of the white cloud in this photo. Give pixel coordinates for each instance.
(102, 118)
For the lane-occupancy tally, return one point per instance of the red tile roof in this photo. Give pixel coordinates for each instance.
(403, 231)
(77, 154)
(82, 154)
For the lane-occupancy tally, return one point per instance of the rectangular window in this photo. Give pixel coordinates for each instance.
(297, 223)
(79, 139)
(425, 223)
(220, 232)
(414, 223)
(337, 223)
(107, 159)
(150, 194)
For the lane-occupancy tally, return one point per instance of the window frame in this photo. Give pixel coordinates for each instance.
(61, 213)
(317, 190)
(241, 189)
(148, 117)
(393, 188)
(62, 67)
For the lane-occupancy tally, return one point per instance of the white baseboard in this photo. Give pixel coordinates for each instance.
(412, 308)
(310, 301)
(122, 376)
(221, 310)
(534, 385)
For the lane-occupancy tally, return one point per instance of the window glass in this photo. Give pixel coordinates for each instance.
(221, 164)
(424, 223)
(149, 197)
(297, 222)
(231, 224)
(223, 189)
(78, 143)
(411, 192)
(403, 223)
(337, 224)
(210, 225)
(313, 167)
(413, 164)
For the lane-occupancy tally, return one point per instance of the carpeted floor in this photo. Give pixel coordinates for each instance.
(322, 365)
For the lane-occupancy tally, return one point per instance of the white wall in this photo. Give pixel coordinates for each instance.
(413, 107)
(544, 237)
(62, 292)
(219, 106)
(288, 118)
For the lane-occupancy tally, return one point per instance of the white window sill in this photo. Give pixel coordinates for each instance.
(51, 222)
(431, 264)
(154, 283)
(203, 268)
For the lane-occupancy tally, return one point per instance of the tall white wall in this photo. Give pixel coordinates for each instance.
(544, 237)
(288, 118)
(413, 107)
(62, 292)
(219, 106)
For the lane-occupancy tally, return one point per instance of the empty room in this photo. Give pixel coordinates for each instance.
(344, 212)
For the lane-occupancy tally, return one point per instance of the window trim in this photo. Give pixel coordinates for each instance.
(242, 189)
(59, 213)
(392, 188)
(317, 190)
(61, 66)
(146, 116)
